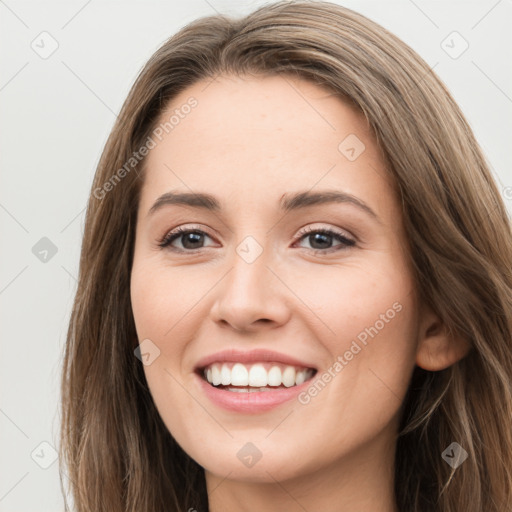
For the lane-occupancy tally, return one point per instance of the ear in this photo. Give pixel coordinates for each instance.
(437, 348)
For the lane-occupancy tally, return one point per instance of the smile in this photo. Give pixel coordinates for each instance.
(261, 376)
(251, 381)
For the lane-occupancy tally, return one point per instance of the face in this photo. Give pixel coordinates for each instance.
(288, 286)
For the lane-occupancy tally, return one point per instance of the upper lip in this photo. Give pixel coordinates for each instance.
(251, 356)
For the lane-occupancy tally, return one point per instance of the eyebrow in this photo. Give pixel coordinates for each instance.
(288, 202)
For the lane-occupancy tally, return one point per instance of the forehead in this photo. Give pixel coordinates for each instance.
(248, 137)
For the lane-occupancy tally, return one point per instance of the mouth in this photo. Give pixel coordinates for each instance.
(264, 376)
(252, 382)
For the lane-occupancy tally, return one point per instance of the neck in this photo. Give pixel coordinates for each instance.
(360, 482)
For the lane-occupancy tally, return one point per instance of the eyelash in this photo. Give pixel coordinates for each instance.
(166, 241)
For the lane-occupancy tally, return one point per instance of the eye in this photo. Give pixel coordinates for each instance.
(191, 239)
(321, 239)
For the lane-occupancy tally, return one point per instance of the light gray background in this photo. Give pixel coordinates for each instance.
(56, 114)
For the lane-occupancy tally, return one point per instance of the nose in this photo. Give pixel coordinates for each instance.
(251, 297)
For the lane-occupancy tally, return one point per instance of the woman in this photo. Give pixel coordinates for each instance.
(295, 283)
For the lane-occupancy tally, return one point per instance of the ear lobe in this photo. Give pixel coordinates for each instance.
(438, 348)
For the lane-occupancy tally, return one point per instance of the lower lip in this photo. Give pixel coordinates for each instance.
(250, 402)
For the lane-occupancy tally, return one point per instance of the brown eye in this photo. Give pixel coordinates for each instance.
(322, 239)
(190, 239)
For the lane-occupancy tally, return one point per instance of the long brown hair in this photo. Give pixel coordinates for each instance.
(119, 455)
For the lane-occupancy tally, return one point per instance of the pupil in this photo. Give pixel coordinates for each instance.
(193, 238)
(319, 237)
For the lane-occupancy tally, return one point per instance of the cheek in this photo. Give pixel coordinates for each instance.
(163, 300)
(372, 317)
(359, 301)
(162, 303)
(167, 305)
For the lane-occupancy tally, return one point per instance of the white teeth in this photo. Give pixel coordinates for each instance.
(216, 375)
(239, 375)
(248, 389)
(225, 374)
(255, 376)
(274, 376)
(289, 376)
(300, 377)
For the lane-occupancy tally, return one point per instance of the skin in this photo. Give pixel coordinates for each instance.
(249, 141)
